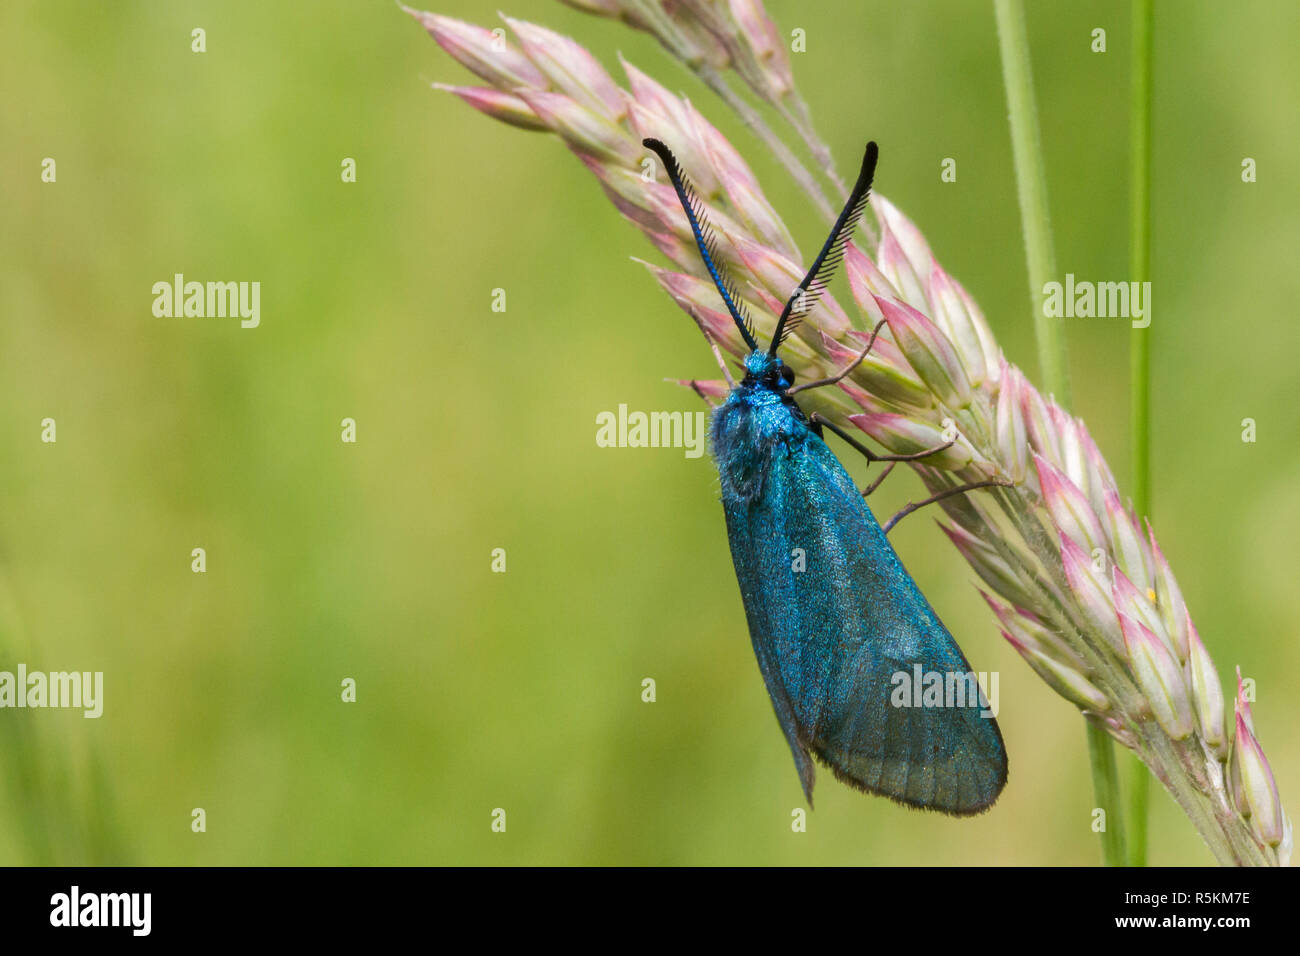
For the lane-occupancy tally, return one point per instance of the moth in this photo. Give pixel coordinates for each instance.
(836, 621)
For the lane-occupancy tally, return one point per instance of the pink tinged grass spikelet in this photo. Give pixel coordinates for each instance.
(1066, 681)
(778, 275)
(1069, 684)
(992, 568)
(654, 112)
(680, 34)
(1092, 592)
(585, 132)
(993, 360)
(1039, 426)
(1258, 789)
(691, 294)
(1096, 479)
(866, 282)
(863, 399)
(628, 192)
(899, 270)
(1067, 439)
(1207, 692)
(505, 107)
(707, 38)
(1127, 543)
(1160, 678)
(766, 43)
(1130, 600)
(662, 202)
(482, 52)
(915, 251)
(972, 512)
(928, 351)
(1099, 472)
(1242, 703)
(1029, 629)
(712, 388)
(741, 188)
(693, 42)
(717, 20)
(671, 246)
(904, 435)
(655, 100)
(953, 308)
(1009, 426)
(717, 170)
(883, 371)
(1235, 789)
(1242, 716)
(570, 69)
(1068, 507)
(874, 403)
(1169, 599)
(951, 315)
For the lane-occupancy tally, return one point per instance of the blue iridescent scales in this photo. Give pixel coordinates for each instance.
(837, 623)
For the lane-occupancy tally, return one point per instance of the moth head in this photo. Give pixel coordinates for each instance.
(764, 368)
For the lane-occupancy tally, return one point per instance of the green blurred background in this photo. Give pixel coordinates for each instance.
(476, 430)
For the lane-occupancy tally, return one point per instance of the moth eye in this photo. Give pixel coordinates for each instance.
(787, 376)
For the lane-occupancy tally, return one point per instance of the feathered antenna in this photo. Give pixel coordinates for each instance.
(705, 240)
(807, 293)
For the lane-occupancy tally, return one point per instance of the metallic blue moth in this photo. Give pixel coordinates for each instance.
(837, 623)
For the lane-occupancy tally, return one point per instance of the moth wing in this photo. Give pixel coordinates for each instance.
(838, 627)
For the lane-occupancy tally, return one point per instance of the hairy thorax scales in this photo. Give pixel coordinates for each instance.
(749, 432)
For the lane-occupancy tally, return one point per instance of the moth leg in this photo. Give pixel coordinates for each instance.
(876, 484)
(845, 371)
(960, 489)
(918, 455)
(818, 419)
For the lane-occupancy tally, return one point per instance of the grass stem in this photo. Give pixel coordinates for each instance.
(1040, 256)
(1031, 186)
(1140, 339)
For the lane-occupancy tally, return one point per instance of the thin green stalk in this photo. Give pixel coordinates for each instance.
(1040, 256)
(1105, 780)
(1031, 184)
(1140, 339)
